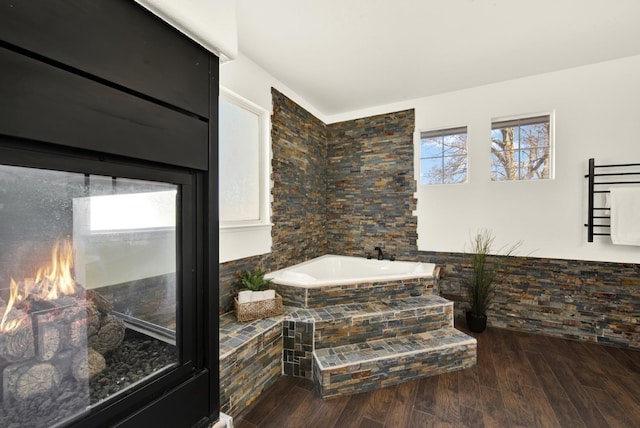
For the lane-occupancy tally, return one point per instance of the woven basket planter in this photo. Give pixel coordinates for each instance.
(256, 310)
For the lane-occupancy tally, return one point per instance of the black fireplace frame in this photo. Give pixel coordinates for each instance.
(105, 87)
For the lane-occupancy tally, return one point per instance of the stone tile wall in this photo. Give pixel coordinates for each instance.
(297, 348)
(370, 187)
(299, 144)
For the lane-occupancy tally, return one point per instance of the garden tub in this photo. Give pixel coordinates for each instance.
(332, 279)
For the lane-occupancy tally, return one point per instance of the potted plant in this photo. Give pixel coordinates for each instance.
(483, 278)
(255, 301)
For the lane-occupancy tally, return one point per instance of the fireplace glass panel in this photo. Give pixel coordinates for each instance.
(87, 290)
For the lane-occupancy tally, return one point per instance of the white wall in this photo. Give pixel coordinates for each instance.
(211, 23)
(245, 78)
(597, 111)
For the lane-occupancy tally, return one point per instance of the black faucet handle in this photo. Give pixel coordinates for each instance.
(380, 253)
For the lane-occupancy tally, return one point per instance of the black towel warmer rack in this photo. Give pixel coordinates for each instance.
(596, 179)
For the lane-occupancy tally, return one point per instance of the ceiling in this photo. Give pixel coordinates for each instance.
(346, 55)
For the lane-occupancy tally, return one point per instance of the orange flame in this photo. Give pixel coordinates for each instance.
(51, 281)
(13, 296)
(56, 278)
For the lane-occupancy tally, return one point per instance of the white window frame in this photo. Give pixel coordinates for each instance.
(442, 131)
(246, 238)
(552, 145)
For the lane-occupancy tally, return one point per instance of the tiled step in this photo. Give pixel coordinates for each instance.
(359, 322)
(350, 369)
(250, 360)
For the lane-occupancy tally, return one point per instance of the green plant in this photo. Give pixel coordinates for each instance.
(485, 274)
(254, 280)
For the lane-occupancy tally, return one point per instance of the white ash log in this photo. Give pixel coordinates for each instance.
(24, 380)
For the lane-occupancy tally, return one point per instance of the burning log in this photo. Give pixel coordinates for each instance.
(24, 380)
(110, 335)
(51, 328)
(17, 343)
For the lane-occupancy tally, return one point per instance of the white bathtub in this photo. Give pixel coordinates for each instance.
(330, 270)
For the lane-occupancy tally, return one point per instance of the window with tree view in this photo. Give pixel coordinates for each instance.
(521, 149)
(443, 156)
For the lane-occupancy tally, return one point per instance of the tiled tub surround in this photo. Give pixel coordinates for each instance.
(306, 330)
(419, 329)
(320, 297)
(334, 280)
(250, 360)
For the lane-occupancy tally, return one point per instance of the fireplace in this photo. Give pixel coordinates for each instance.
(108, 128)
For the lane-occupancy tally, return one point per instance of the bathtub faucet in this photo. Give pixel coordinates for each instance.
(380, 253)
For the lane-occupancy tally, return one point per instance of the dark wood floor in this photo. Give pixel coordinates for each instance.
(521, 380)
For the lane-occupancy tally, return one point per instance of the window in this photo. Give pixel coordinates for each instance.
(443, 156)
(521, 149)
(243, 167)
(244, 171)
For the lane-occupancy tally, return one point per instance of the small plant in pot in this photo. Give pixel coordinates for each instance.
(254, 280)
(255, 300)
(483, 278)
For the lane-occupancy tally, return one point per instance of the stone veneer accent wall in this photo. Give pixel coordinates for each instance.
(299, 214)
(369, 199)
(370, 188)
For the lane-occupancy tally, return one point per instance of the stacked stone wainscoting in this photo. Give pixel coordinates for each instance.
(573, 299)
